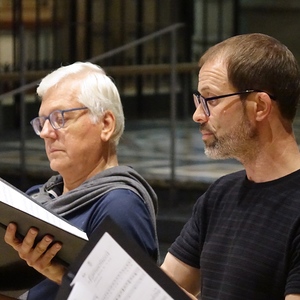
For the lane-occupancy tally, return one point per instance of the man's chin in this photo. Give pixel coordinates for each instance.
(55, 166)
(214, 153)
(54, 169)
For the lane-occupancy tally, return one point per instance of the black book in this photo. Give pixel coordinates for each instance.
(19, 208)
(113, 266)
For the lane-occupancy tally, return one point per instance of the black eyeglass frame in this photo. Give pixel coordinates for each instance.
(38, 127)
(199, 99)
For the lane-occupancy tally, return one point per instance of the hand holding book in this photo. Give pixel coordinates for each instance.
(37, 255)
(17, 207)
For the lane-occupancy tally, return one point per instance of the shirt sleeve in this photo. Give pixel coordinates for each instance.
(293, 278)
(130, 213)
(187, 246)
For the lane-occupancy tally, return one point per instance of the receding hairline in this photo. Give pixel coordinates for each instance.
(225, 47)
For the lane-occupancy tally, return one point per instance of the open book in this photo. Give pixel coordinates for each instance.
(112, 266)
(17, 207)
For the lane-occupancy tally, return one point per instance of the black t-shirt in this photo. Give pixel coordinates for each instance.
(245, 238)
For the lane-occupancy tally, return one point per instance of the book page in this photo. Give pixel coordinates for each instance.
(109, 273)
(16, 199)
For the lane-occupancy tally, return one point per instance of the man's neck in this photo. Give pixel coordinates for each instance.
(273, 161)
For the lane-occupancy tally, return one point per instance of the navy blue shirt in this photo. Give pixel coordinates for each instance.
(127, 210)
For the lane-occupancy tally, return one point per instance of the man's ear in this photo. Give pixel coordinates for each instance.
(107, 125)
(263, 106)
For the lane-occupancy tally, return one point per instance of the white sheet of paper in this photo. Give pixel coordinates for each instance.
(15, 199)
(80, 292)
(110, 273)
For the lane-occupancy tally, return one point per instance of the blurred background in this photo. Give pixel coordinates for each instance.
(151, 49)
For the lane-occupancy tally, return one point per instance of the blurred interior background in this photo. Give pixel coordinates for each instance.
(151, 49)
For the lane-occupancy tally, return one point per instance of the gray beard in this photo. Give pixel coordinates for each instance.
(234, 144)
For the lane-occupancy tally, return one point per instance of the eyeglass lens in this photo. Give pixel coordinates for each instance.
(56, 119)
(198, 99)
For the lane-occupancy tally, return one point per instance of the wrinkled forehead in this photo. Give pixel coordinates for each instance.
(213, 76)
(213, 66)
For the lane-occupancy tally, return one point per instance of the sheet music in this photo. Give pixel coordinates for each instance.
(16, 199)
(110, 273)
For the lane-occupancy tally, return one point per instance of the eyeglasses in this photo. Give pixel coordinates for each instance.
(199, 99)
(56, 119)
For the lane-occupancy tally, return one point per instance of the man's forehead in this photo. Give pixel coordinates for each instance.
(212, 66)
(60, 97)
(65, 87)
(216, 61)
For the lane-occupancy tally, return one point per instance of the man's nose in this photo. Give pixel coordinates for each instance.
(47, 129)
(199, 115)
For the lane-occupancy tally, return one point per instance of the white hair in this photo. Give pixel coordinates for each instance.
(97, 92)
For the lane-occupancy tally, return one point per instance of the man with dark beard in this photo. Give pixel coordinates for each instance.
(243, 239)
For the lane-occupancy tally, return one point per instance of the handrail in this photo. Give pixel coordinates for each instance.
(95, 59)
(171, 28)
(172, 69)
(149, 69)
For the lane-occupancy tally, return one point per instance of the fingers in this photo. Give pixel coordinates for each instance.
(28, 242)
(37, 255)
(52, 251)
(10, 236)
(41, 259)
(33, 253)
(42, 255)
